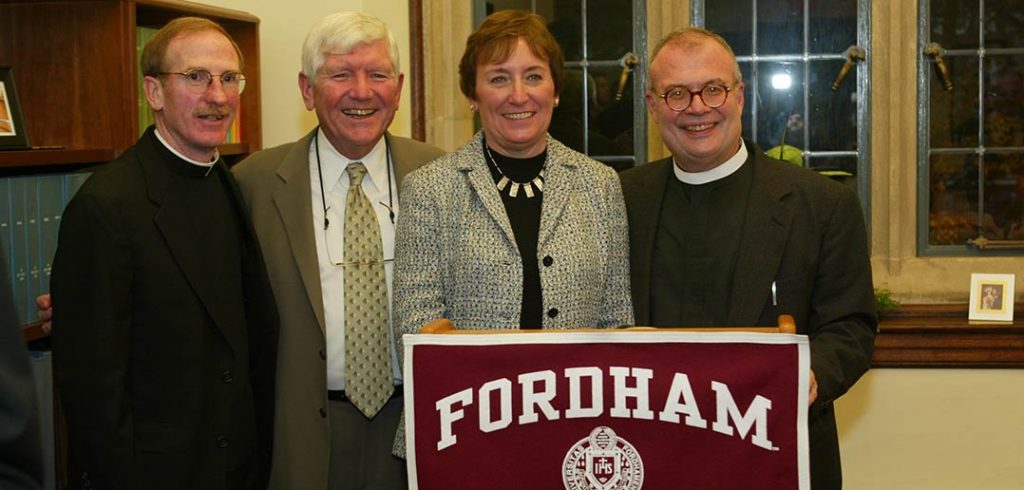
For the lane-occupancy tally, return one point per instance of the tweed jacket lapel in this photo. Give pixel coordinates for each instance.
(561, 177)
(645, 209)
(470, 161)
(293, 201)
(763, 242)
(175, 222)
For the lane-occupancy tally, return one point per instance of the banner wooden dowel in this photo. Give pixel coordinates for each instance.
(441, 325)
(786, 325)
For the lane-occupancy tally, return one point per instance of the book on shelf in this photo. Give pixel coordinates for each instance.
(17, 246)
(30, 214)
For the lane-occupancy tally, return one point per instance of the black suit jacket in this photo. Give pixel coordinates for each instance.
(158, 390)
(806, 234)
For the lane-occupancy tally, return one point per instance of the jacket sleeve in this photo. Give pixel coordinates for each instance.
(617, 310)
(842, 310)
(92, 295)
(419, 259)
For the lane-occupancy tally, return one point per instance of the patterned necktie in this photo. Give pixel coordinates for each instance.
(368, 376)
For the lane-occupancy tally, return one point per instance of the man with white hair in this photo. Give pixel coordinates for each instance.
(329, 432)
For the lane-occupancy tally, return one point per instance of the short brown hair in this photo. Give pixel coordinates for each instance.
(496, 39)
(153, 54)
(691, 37)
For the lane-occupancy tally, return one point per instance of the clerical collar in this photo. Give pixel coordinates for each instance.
(720, 172)
(207, 165)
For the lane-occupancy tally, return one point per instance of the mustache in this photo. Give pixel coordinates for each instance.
(216, 111)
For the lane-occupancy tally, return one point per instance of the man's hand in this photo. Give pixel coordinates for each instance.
(813, 395)
(45, 311)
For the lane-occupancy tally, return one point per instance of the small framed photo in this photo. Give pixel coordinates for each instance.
(991, 297)
(13, 134)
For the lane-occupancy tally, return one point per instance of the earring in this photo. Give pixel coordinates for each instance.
(556, 101)
(472, 107)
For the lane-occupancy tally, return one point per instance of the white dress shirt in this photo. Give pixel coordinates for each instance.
(380, 190)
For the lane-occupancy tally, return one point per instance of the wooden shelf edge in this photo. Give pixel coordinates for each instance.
(940, 336)
(60, 156)
(191, 8)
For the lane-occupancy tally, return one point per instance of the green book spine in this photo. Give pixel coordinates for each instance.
(6, 231)
(33, 250)
(51, 205)
(19, 246)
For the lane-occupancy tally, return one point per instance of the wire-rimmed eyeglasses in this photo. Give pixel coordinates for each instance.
(366, 262)
(198, 81)
(357, 263)
(713, 95)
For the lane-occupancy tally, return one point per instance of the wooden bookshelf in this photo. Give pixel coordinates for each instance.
(75, 69)
(26, 159)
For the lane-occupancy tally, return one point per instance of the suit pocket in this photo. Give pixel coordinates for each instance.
(163, 457)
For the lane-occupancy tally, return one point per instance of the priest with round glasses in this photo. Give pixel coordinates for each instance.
(723, 235)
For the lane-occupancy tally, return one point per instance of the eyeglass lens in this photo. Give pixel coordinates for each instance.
(679, 99)
(201, 80)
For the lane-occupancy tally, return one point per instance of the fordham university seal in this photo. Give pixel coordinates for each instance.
(602, 461)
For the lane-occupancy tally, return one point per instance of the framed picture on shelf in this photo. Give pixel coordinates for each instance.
(991, 297)
(13, 134)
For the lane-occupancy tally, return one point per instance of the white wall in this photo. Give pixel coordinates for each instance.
(935, 429)
(283, 27)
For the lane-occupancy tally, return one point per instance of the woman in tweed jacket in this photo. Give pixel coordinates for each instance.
(514, 229)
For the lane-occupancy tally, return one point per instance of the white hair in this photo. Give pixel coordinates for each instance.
(339, 33)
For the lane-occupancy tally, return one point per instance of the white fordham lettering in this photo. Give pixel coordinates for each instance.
(681, 388)
(537, 398)
(639, 392)
(504, 389)
(756, 415)
(576, 409)
(449, 415)
(539, 389)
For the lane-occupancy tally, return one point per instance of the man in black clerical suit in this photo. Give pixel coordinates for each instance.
(721, 235)
(165, 338)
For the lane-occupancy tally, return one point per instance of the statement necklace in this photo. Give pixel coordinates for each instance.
(514, 186)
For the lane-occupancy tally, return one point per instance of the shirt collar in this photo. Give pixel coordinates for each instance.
(333, 163)
(720, 172)
(207, 165)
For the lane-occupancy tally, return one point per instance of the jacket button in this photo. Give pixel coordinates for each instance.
(323, 355)
(548, 261)
(323, 412)
(226, 377)
(553, 312)
(222, 441)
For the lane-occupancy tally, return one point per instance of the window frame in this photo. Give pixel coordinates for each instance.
(639, 77)
(925, 80)
(862, 74)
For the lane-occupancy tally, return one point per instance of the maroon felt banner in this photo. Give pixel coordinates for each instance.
(609, 410)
